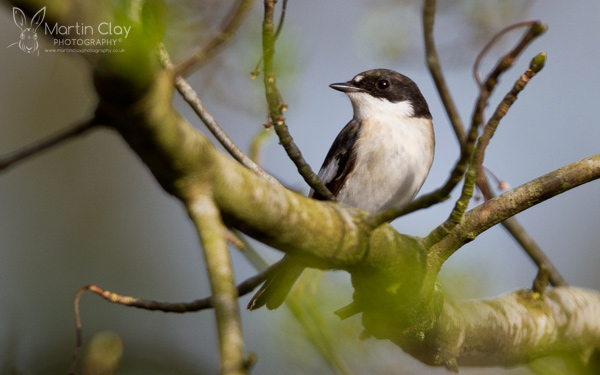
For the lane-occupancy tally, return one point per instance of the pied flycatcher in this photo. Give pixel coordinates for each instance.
(378, 161)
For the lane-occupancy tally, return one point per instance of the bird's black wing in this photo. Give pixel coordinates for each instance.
(340, 159)
(338, 164)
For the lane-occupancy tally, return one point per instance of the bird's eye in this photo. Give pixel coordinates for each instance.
(383, 84)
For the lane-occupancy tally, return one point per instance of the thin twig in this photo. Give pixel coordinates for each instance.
(15, 157)
(255, 73)
(225, 36)
(477, 161)
(243, 288)
(191, 97)
(512, 225)
(257, 144)
(281, 19)
(276, 107)
(433, 63)
(533, 250)
(443, 193)
(537, 64)
(540, 29)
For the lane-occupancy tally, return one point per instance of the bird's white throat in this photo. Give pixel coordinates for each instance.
(367, 106)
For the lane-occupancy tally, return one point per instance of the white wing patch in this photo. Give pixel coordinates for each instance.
(329, 171)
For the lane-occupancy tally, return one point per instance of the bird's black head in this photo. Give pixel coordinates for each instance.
(386, 84)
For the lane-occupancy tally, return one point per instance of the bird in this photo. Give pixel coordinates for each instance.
(378, 161)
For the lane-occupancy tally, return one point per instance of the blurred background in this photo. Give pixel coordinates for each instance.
(89, 211)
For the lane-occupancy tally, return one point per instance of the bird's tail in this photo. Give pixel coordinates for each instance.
(277, 286)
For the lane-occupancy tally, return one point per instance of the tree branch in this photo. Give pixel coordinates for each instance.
(433, 63)
(222, 38)
(191, 97)
(11, 159)
(500, 208)
(509, 330)
(243, 288)
(468, 144)
(276, 106)
(435, 68)
(206, 217)
(476, 165)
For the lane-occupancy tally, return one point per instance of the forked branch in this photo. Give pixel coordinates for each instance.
(432, 58)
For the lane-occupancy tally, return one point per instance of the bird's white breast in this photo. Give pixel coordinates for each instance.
(394, 155)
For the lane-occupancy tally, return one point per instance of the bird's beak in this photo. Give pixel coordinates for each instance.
(345, 87)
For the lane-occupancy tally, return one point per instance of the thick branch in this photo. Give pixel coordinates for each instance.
(511, 329)
(207, 219)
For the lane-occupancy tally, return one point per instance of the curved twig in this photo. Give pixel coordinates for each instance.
(219, 41)
(281, 19)
(243, 288)
(493, 41)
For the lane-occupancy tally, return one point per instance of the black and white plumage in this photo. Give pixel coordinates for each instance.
(379, 160)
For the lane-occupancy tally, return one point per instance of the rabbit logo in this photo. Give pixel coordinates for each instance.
(29, 38)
